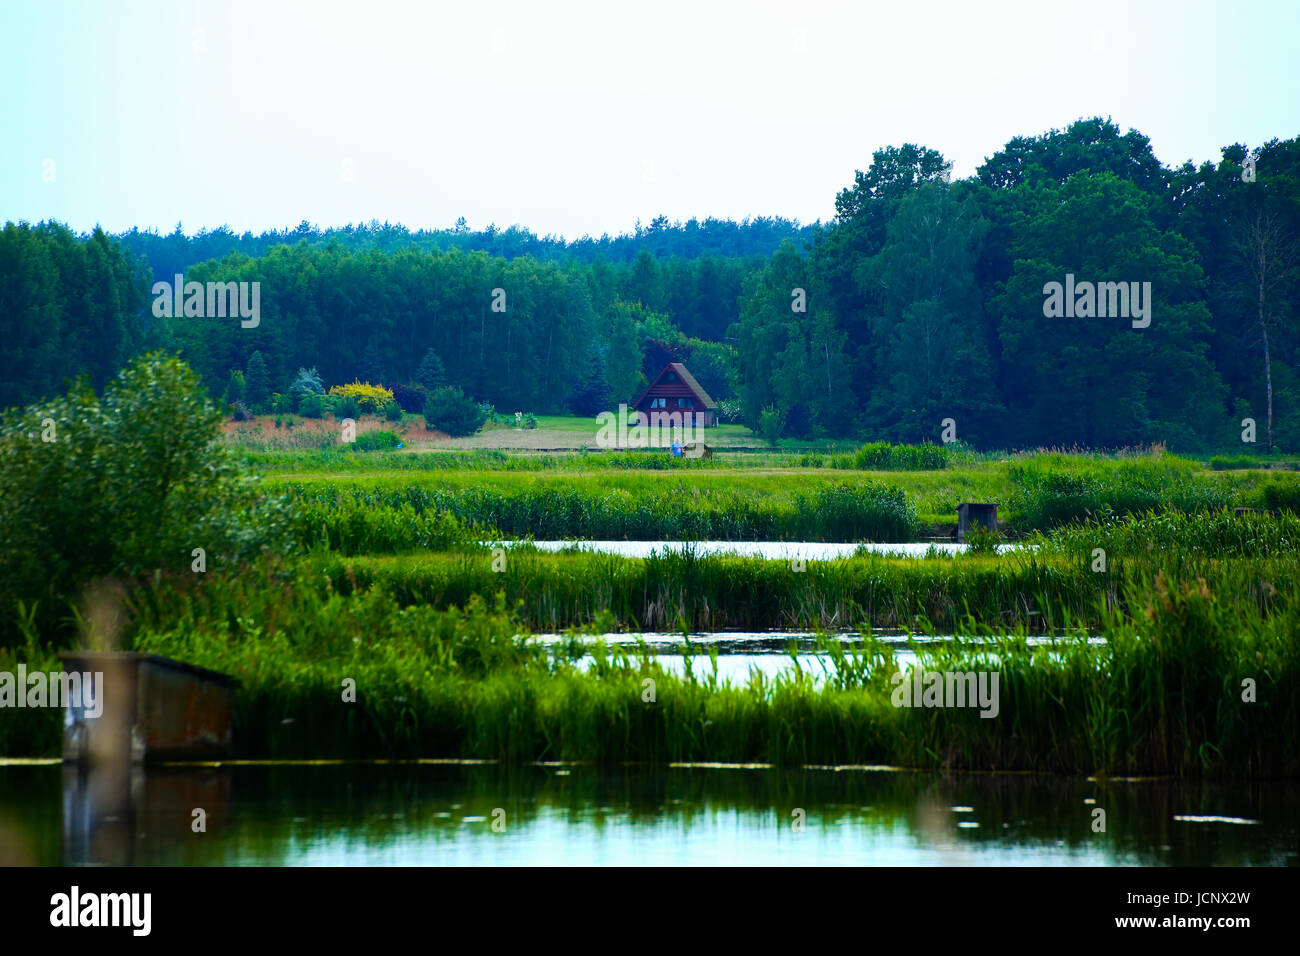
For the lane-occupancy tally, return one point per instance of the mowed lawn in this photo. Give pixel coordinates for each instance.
(573, 432)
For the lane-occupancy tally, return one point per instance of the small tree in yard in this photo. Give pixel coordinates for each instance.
(771, 422)
(450, 410)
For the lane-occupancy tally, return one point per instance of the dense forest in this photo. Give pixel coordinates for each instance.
(922, 300)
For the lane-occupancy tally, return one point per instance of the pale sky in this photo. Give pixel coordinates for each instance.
(572, 118)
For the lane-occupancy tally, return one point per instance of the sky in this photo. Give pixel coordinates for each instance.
(583, 118)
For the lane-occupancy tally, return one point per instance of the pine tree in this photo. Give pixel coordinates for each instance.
(258, 379)
(431, 374)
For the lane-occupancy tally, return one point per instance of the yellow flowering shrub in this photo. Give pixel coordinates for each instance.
(370, 398)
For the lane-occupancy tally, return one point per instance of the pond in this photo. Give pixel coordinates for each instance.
(456, 814)
(768, 652)
(772, 550)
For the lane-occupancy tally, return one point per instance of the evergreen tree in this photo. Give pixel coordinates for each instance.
(257, 390)
(431, 374)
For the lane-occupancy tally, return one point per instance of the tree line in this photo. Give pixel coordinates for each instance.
(922, 302)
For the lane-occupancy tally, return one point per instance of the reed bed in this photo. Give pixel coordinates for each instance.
(1164, 694)
(527, 496)
(720, 592)
(663, 510)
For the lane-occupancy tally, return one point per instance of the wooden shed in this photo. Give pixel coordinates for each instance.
(675, 391)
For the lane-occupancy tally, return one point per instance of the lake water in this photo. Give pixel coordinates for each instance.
(739, 653)
(409, 814)
(773, 550)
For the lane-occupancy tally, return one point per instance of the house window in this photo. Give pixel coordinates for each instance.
(659, 403)
(684, 403)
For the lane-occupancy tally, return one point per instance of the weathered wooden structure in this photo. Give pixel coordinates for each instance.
(970, 513)
(147, 708)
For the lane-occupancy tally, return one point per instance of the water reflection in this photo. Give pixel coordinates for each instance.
(772, 550)
(377, 814)
(739, 653)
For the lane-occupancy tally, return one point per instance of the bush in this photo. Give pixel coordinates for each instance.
(133, 481)
(882, 456)
(981, 540)
(377, 441)
(307, 381)
(1232, 462)
(1057, 489)
(1280, 493)
(311, 404)
(393, 412)
(345, 406)
(448, 409)
(771, 422)
(410, 397)
(530, 420)
(369, 398)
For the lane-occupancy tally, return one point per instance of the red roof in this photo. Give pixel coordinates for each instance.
(685, 385)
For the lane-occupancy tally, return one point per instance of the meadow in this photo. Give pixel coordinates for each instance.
(651, 496)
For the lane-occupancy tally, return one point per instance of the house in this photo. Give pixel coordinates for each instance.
(675, 391)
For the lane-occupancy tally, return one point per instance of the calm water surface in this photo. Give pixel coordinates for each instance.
(740, 653)
(772, 550)
(394, 814)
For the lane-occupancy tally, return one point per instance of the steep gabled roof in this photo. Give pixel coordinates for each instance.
(686, 378)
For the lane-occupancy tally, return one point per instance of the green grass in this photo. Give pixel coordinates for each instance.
(389, 587)
(631, 505)
(652, 497)
(1164, 694)
(717, 592)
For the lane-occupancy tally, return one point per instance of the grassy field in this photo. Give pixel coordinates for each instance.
(601, 496)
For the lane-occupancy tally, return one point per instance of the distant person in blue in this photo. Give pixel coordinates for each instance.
(677, 449)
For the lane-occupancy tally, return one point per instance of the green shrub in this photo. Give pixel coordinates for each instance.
(132, 481)
(377, 441)
(393, 412)
(1056, 489)
(1280, 493)
(771, 422)
(346, 406)
(311, 404)
(450, 410)
(882, 456)
(981, 540)
(1232, 462)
